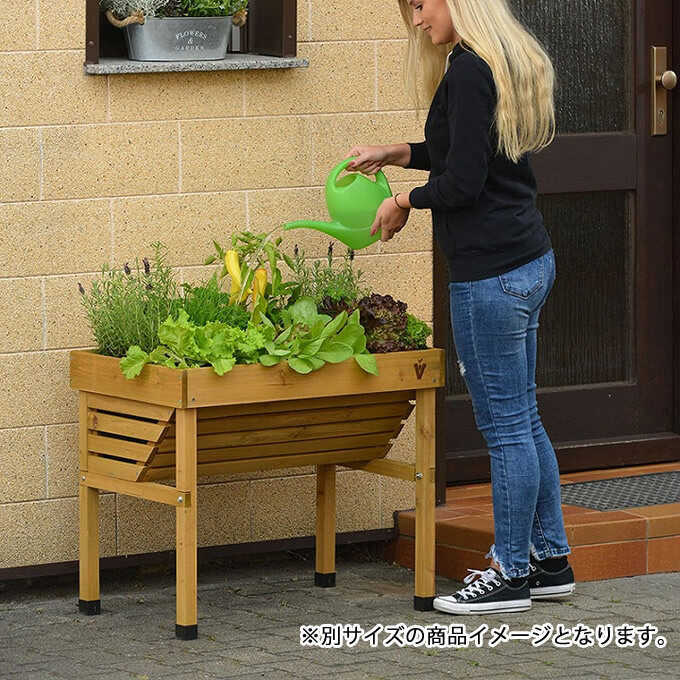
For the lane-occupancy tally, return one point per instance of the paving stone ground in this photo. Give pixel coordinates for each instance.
(251, 610)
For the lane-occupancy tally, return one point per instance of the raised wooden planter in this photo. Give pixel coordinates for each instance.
(179, 424)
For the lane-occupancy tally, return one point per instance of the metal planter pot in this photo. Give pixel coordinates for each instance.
(179, 38)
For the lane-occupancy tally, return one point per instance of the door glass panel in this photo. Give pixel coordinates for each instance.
(585, 333)
(586, 324)
(589, 42)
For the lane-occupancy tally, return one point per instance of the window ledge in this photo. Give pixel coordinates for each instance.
(233, 62)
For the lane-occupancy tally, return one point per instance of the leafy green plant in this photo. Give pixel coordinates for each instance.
(127, 306)
(183, 344)
(253, 252)
(389, 327)
(204, 8)
(125, 8)
(332, 289)
(311, 339)
(174, 8)
(416, 333)
(206, 302)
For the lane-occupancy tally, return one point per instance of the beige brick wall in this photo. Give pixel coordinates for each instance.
(95, 168)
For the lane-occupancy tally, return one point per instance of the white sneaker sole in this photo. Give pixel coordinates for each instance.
(553, 592)
(445, 604)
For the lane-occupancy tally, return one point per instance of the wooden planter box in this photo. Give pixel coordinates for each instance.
(178, 424)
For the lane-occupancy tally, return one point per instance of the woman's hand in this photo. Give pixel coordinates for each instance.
(369, 159)
(390, 219)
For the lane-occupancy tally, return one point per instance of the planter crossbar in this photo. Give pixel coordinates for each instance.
(181, 424)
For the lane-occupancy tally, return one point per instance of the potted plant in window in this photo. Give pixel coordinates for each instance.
(176, 30)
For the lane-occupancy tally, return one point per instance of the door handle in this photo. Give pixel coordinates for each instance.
(663, 80)
(668, 80)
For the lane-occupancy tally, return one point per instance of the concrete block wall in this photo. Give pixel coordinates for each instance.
(96, 168)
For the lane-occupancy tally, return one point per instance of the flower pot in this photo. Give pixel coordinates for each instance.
(179, 38)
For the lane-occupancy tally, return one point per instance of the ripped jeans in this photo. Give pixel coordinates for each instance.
(495, 324)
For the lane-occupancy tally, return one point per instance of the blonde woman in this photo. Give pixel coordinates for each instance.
(491, 105)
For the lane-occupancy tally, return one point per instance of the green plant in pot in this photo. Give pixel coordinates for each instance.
(176, 30)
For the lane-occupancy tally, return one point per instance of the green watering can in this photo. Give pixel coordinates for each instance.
(352, 201)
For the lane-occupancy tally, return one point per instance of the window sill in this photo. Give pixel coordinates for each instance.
(233, 62)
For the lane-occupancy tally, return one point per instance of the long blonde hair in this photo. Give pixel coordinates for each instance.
(521, 68)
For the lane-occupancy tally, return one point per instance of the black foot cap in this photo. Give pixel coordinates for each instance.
(90, 607)
(186, 632)
(423, 604)
(324, 580)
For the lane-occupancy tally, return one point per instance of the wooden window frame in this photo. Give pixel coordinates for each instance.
(271, 30)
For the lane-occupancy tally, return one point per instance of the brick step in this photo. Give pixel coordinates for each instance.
(604, 544)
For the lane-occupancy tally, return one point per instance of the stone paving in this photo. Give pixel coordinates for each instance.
(251, 610)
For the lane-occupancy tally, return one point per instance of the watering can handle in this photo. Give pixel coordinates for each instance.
(379, 176)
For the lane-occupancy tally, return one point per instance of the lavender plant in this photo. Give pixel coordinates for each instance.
(333, 289)
(127, 306)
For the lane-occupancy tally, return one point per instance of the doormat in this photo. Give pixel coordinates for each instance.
(624, 492)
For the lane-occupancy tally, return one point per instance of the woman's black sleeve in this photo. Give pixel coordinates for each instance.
(471, 107)
(420, 157)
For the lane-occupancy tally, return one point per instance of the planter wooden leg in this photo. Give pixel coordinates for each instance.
(186, 627)
(425, 500)
(89, 601)
(324, 575)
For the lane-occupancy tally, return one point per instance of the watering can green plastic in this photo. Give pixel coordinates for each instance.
(352, 201)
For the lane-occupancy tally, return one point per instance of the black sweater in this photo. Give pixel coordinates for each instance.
(483, 205)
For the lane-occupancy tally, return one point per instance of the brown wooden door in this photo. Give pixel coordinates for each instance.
(606, 355)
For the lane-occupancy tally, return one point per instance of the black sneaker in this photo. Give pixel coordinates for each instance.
(489, 594)
(546, 584)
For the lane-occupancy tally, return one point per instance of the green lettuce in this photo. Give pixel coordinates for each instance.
(311, 340)
(185, 345)
(308, 342)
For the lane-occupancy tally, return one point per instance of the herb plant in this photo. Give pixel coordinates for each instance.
(323, 316)
(212, 8)
(207, 303)
(125, 8)
(175, 8)
(332, 289)
(127, 306)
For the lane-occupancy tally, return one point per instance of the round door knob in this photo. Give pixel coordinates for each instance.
(668, 79)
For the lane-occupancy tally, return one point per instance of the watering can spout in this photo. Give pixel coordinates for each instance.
(310, 224)
(356, 239)
(352, 201)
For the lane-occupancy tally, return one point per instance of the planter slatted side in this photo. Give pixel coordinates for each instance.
(288, 434)
(123, 435)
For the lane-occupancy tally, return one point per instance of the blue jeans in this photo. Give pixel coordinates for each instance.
(495, 324)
